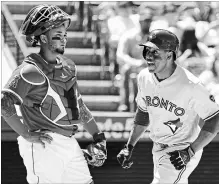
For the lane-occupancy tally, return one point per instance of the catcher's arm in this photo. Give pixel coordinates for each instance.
(96, 152)
(8, 100)
(87, 120)
(90, 125)
(14, 92)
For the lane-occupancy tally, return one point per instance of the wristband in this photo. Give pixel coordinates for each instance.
(129, 147)
(99, 137)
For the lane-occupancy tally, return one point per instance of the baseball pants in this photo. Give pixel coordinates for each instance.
(62, 161)
(165, 172)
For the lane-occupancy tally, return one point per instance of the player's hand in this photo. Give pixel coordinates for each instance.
(124, 156)
(100, 142)
(96, 153)
(180, 158)
(38, 137)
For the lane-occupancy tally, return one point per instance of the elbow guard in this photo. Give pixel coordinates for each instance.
(141, 118)
(212, 125)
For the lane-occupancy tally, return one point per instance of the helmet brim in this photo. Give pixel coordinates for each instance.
(149, 44)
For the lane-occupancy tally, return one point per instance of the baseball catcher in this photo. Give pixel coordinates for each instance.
(45, 88)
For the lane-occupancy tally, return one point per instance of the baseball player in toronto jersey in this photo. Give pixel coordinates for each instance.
(45, 89)
(171, 102)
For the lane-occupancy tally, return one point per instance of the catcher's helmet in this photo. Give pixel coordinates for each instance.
(162, 39)
(43, 18)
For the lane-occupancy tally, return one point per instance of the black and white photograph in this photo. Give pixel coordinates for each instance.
(109, 92)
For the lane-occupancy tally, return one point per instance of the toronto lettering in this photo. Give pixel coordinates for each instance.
(166, 104)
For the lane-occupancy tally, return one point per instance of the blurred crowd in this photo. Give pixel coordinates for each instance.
(196, 24)
(125, 24)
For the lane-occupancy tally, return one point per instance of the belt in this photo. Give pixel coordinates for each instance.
(61, 131)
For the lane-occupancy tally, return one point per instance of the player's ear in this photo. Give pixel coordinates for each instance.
(43, 38)
(169, 55)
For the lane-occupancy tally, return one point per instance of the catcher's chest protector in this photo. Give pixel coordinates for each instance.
(59, 105)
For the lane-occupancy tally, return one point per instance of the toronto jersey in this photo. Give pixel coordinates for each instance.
(175, 105)
(50, 104)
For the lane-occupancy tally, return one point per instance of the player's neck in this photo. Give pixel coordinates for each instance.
(50, 58)
(166, 73)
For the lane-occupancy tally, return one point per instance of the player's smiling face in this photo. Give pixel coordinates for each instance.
(57, 39)
(156, 60)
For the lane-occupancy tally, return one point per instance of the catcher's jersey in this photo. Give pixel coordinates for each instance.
(50, 104)
(175, 105)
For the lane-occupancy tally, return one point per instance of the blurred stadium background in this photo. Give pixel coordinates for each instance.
(88, 47)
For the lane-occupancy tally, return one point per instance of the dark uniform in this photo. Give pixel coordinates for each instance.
(48, 94)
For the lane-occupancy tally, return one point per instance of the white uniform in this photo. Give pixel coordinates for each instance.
(175, 106)
(54, 164)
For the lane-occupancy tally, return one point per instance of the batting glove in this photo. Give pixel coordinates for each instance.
(124, 156)
(180, 158)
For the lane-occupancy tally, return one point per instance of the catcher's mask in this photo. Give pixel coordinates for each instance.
(41, 19)
(162, 39)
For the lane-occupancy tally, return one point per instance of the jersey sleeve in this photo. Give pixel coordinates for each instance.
(204, 102)
(141, 103)
(17, 86)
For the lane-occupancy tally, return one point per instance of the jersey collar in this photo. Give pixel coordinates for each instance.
(167, 80)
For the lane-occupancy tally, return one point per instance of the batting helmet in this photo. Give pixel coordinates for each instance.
(42, 18)
(162, 39)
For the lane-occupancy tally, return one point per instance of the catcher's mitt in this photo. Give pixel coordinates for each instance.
(95, 154)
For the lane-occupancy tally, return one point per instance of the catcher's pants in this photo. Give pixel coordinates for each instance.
(165, 172)
(62, 161)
